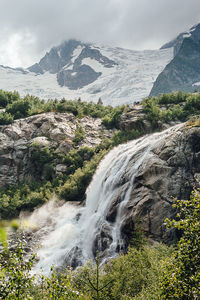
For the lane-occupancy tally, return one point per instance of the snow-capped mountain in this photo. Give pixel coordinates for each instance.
(76, 69)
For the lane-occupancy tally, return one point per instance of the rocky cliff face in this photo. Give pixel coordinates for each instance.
(171, 171)
(135, 182)
(183, 72)
(53, 130)
(193, 33)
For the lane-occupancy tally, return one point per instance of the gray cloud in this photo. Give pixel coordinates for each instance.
(29, 28)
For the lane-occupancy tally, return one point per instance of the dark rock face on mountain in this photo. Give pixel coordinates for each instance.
(67, 61)
(74, 80)
(182, 72)
(193, 33)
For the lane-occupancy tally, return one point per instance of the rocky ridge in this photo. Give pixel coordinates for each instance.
(193, 33)
(53, 130)
(67, 61)
(183, 72)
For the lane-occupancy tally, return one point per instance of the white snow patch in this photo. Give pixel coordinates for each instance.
(196, 83)
(76, 53)
(97, 66)
(59, 53)
(68, 67)
(186, 35)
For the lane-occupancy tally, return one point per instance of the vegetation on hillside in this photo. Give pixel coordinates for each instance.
(171, 107)
(16, 107)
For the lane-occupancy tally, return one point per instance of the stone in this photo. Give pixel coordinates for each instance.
(53, 130)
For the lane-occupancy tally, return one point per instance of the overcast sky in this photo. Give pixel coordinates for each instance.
(29, 28)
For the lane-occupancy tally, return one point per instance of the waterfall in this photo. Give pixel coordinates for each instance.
(71, 233)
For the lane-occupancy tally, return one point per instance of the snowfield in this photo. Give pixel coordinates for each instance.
(129, 81)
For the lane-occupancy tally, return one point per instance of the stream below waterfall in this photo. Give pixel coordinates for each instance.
(70, 234)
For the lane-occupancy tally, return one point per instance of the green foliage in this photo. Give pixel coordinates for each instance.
(173, 98)
(123, 136)
(25, 196)
(41, 156)
(57, 286)
(75, 187)
(75, 158)
(8, 97)
(111, 120)
(79, 135)
(15, 278)
(182, 280)
(135, 275)
(89, 279)
(6, 118)
(171, 107)
(16, 281)
(30, 105)
(19, 109)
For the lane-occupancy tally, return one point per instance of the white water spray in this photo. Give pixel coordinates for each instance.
(71, 233)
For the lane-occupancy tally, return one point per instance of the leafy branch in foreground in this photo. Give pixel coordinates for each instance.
(182, 280)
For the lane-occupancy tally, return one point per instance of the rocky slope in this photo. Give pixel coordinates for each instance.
(68, 62)
(193, 33)
(171, 170)
(183, 72)
(53, 130)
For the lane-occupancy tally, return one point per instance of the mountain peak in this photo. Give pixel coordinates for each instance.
(70, 61)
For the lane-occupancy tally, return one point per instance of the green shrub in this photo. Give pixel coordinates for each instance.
(5, 118)
(15, 278)
(182, 279)
(79, 135)
(75, 187)
(135, 275)
(19, 109)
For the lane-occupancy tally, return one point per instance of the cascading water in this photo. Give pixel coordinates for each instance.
(71, 233)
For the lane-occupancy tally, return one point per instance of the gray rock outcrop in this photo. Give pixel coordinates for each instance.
(53, 130)
(171, 172)
(193, 33)
(182, 73)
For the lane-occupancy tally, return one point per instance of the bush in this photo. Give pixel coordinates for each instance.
(19, 109)
(182, 280)
(79, 135)
(15, 278)
(75, 187)
(5, 118)
(135, 275)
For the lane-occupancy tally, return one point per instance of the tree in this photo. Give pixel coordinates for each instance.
(182, 280)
